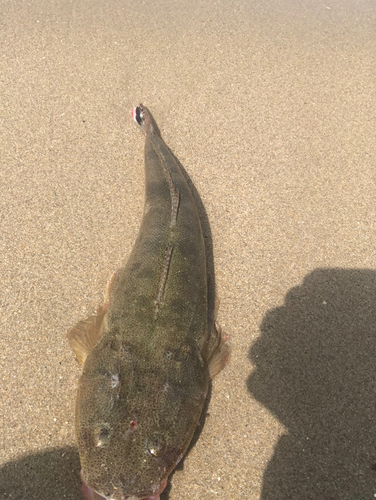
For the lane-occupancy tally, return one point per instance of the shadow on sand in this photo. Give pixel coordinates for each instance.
(316, 372)
(51, 474)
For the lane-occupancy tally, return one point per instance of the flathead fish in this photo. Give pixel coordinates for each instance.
(151, 349)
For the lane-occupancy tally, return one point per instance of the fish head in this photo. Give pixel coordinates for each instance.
(125, 458)
(121, 465)
(144, 118)
(120, 483)
(126, 444)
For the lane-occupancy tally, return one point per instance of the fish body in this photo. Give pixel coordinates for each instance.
(150, 351)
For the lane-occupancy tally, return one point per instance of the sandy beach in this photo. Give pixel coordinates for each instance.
(270, 107)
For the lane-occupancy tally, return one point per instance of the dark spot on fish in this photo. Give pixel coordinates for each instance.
(156, 189)
(182, 354)
(136, 266)
(101, 372)
(142, 302)
(156, 445)
(126, 348)
(187, 250)
(373, 467)
(177, 307)
(114, 343)
(145, 272)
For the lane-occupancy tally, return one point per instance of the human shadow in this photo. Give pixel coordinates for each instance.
(50, 474)
(315, 370)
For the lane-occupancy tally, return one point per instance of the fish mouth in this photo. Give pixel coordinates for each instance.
(90, 494)
(138, 115)
(143, 117)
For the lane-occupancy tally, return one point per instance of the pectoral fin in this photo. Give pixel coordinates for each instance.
(86, 334)
(220, 352)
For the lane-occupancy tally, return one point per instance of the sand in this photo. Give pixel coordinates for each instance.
(270, 106)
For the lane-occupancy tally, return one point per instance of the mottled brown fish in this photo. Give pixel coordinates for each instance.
(151, 349)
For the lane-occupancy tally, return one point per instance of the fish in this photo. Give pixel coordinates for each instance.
(150, 351)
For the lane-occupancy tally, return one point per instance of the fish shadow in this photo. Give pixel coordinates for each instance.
(315, 370)
(49, 474)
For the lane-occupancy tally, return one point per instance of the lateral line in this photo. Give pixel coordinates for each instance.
(175, 199)
(164, 276)
(174, 192)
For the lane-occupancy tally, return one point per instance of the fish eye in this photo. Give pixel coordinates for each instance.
(156, 445)
(102, 434)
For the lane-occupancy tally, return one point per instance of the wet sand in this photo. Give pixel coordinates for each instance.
(270, 107)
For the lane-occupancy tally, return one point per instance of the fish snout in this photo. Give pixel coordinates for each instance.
(142, 116)
(90, 494)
